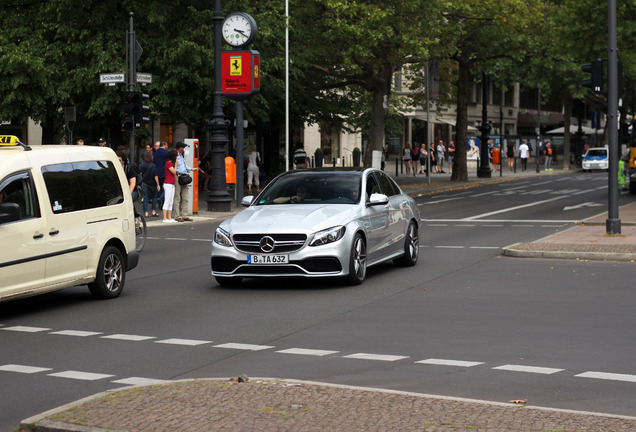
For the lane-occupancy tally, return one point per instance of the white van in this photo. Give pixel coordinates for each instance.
(66, 219)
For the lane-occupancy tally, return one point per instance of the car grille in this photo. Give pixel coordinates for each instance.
(283, 243)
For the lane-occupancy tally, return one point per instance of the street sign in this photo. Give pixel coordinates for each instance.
(144, 78)
(111, 78)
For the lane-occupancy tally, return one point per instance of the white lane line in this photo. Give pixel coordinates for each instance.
(78, 333)
(442, 362)
(436, 225)
(509, 209)
(25, 329)
(84, 376)
(484, 247)
(608, 376)
(506, 221)
(465, 225)
(240, 346)
(449, 247)
(128, 337)
(379, 357)
(310, 352)
(439, 201)
(529, 369)
(202, 240)
(522, 226)
(175, 238)
(493, 225)
(187, 342)
(22, 369)
(139, 381)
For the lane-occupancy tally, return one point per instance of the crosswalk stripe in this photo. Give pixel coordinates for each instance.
(240, 346)
(78, 333)
(442, 362)
(25, 329)
(380, 357)
(139, 381)
(309, 352)
(84, 376)
(22, 369)
(127, 337)
(608, 376)
(188, 342)
(529, 369)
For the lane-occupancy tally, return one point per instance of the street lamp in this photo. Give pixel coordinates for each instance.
(484, 170)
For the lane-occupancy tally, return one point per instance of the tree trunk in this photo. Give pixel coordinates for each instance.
(460, 168)
(381, 89)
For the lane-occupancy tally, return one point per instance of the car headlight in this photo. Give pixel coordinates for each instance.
(222, 237)
(329, 235)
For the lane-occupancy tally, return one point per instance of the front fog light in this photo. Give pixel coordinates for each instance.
(329, 235)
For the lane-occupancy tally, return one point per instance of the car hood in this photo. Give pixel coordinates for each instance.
(595, 158)
(285, 218)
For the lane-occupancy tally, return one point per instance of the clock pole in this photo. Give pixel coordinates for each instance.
(218, 197)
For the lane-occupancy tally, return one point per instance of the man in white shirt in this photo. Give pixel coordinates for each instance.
(180, 206)
(523, 154)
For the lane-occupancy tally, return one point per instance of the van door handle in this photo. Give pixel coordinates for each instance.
(38, 236)
(54, 232)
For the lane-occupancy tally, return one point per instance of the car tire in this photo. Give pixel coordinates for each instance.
(111, 274)
(411, 247)
(357, 260)
(228, 281)
(632, 187)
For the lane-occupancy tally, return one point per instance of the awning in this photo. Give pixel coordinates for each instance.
(574, 129)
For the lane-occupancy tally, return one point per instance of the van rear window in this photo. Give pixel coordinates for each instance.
(82, 185)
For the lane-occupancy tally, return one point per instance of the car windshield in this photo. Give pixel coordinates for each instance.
(597, 152)
(313, 188)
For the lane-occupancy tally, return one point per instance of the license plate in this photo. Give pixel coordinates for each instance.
(268, 259)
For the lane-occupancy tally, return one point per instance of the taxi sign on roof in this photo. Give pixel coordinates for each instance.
(9, 140)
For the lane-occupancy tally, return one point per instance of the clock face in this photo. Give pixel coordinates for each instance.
(239, 29)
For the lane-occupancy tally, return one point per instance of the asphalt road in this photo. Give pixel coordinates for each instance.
(464, 322)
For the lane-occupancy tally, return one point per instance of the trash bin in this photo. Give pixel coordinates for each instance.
(230, 170)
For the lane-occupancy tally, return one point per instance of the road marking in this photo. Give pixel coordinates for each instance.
(25, 329)
(310, 352)
(23, 369)
(578, 206)
(529, 369)
(202, 240)
(465, 225)
(240, 346)
(188, 342)
(127, 337)
(522, 226)
(608, 376)
(379, 357)
(78, 333)
(484, 247)
(174, 238)
(139, 381)
(442, 362)
(505, 221)
(449, 247)
(509, 209)
(439, 201)
(84, 376)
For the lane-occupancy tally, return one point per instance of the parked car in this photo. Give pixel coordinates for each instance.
(595, 158)
(316, 223)
(66, 219)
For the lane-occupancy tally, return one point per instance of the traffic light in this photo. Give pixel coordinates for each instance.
(140, 110)
(128, 118)
(596, 80)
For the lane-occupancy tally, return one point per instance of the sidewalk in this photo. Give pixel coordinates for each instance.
(264, 404)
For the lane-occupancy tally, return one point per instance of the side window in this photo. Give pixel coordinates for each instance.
(82, 185)
(386, 183)
(18, 188)
(99, 183)
(372, 186)
(62, 187)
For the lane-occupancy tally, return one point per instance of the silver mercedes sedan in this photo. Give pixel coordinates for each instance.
(318, 222)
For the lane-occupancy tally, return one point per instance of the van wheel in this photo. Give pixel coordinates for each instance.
(111, 274)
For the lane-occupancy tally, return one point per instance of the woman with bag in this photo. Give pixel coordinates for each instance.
(168, 186)
(254, 160)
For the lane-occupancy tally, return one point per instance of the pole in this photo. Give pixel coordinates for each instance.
(286, 85)
(218, 197)
(613, 223)
(501, 137)
(538, 128)
(428, 123)
(240, 187)
(132, 79)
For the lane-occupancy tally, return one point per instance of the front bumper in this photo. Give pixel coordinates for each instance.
(592, 165)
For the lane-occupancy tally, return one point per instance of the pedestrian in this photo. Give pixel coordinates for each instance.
(160, 156)
(433, 156)
(523, 154)
(80, 142)
(548, 155)
(451, 155)
(205, 166)
(181, 202)
(254, 160)
(415, 157)
(300, 157)
(169, 186)
(510, 154)
(441, 152)
(407, 158)
(150, 186)
(423, 160)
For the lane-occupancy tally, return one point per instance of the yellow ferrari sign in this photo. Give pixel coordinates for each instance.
(236, 65)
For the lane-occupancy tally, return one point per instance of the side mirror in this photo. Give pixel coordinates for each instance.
(247, 201)
(378, 199)
(9, 212)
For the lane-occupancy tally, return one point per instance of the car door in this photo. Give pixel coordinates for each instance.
(396, 209)
(379, 231)
(23, 251)
(66, 232)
